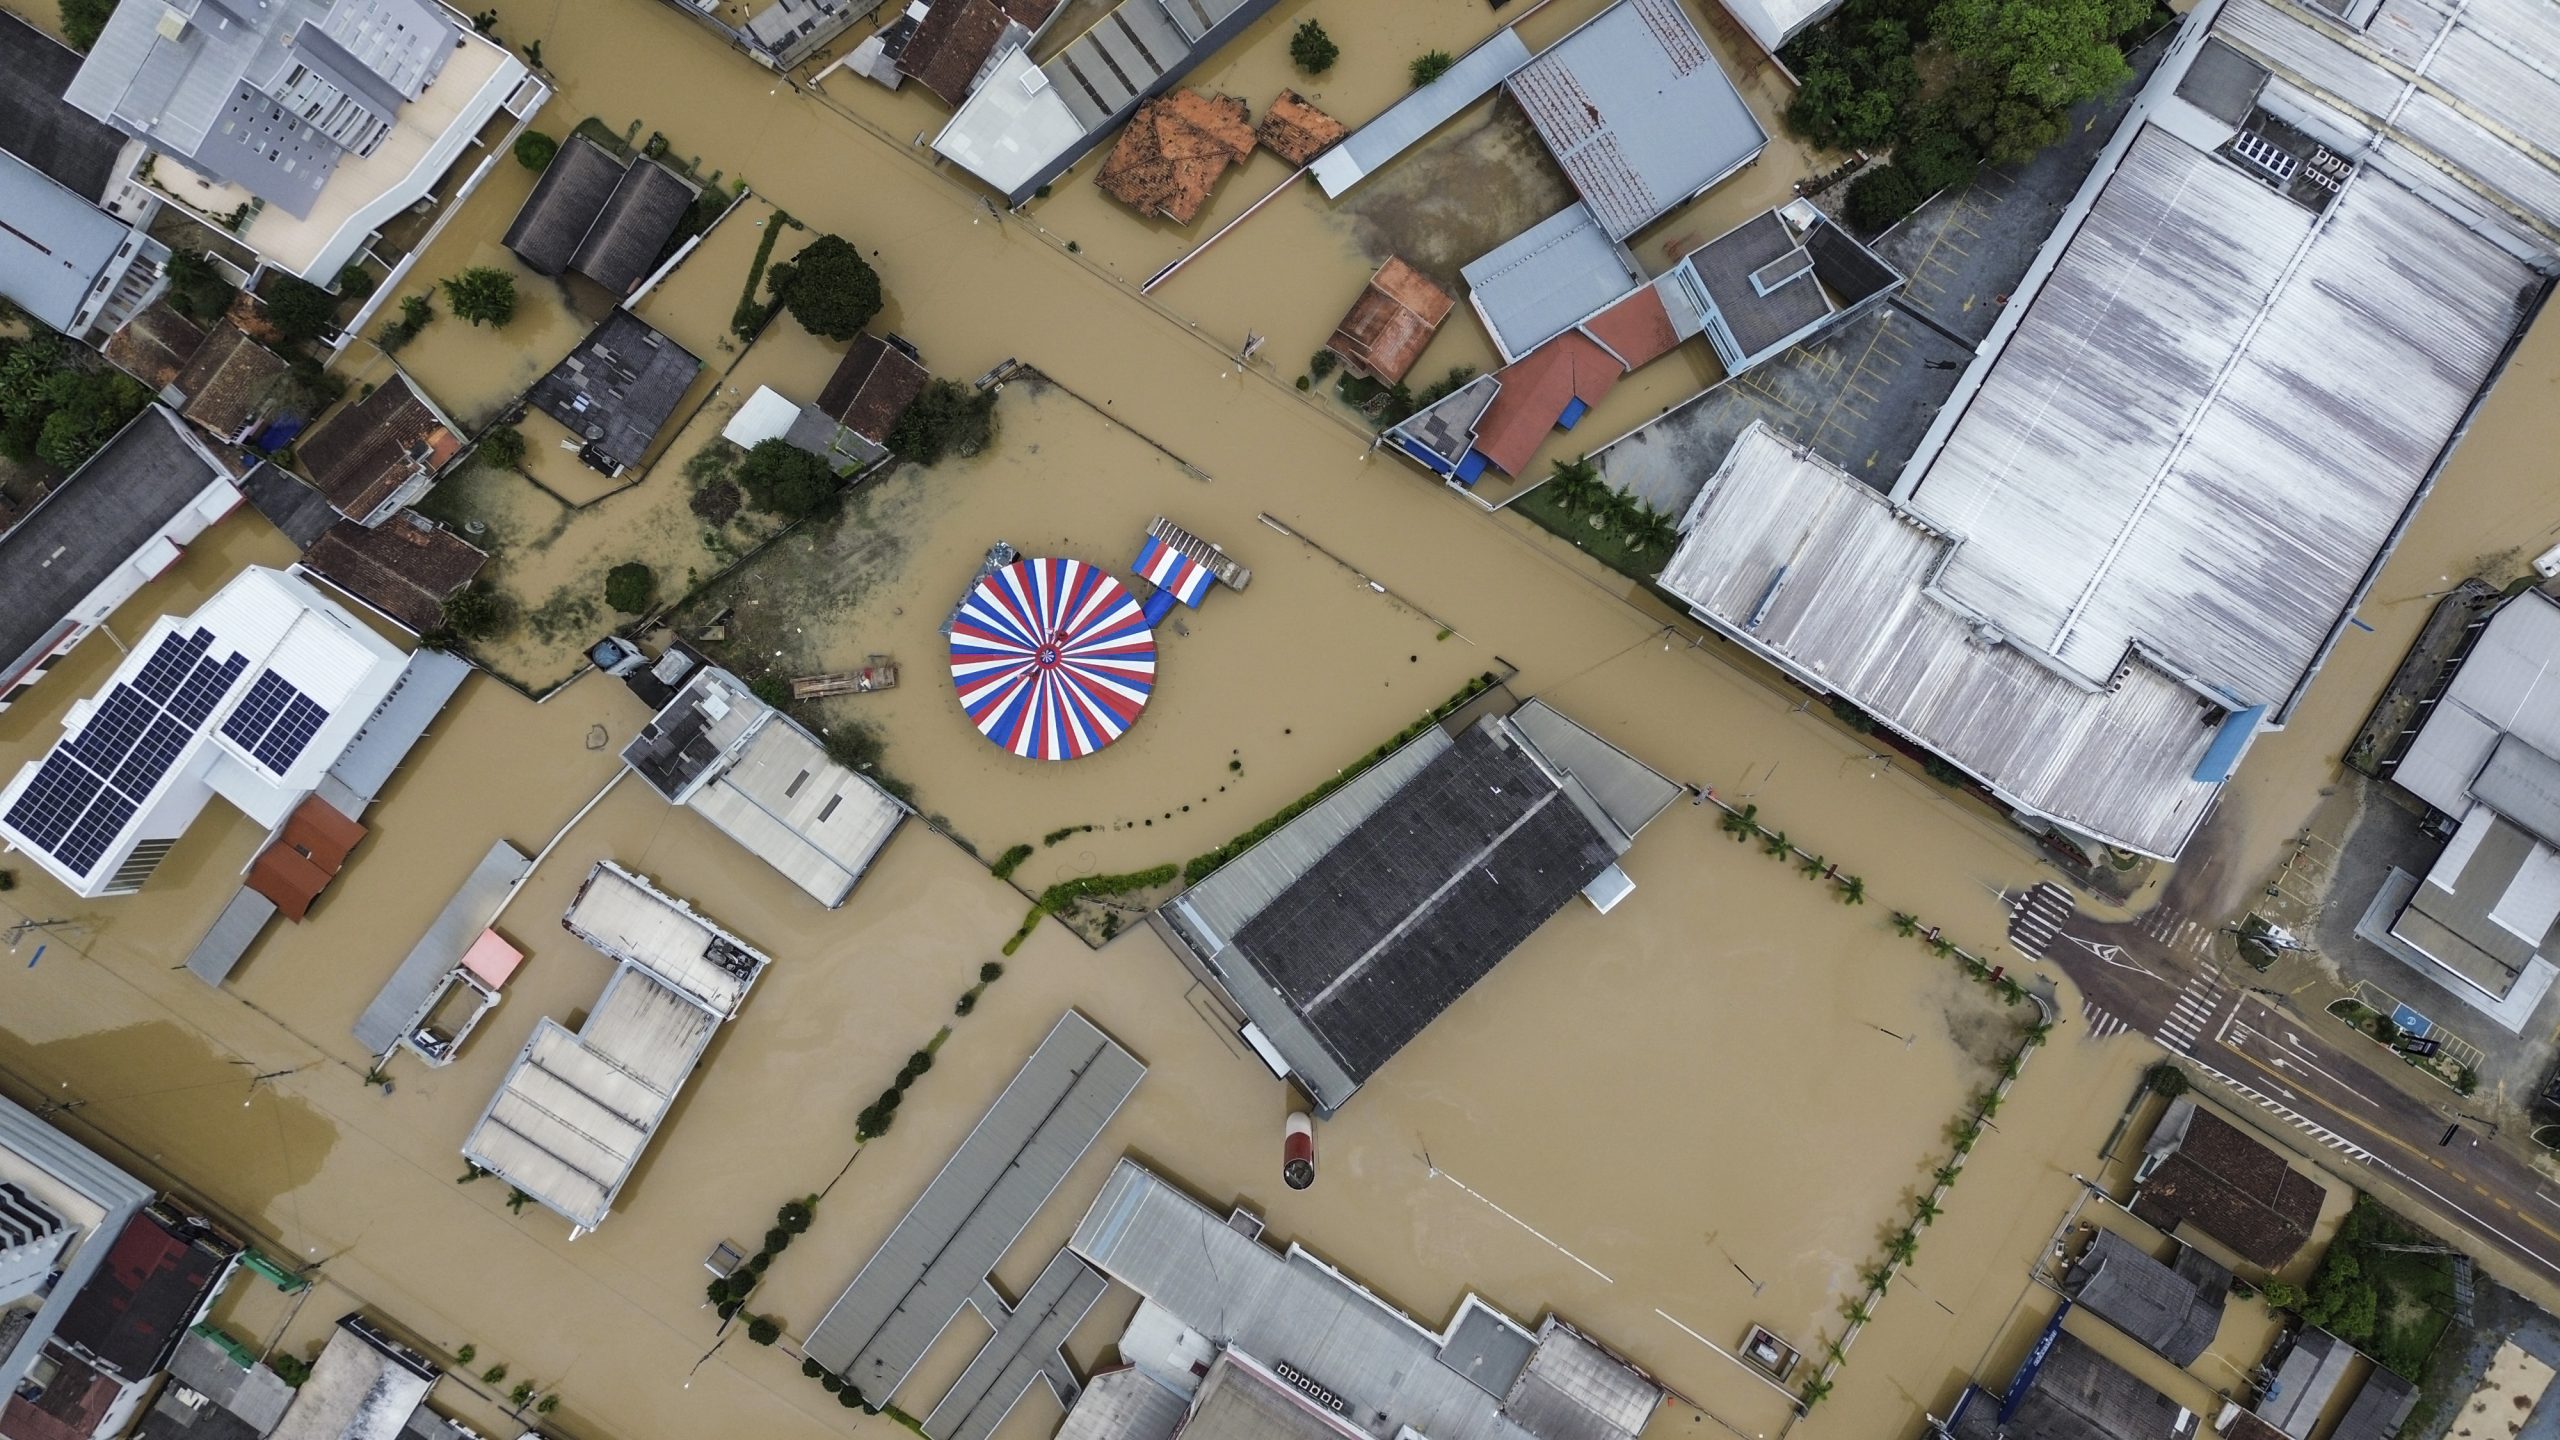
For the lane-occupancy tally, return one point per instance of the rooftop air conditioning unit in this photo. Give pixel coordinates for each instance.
(1034, 80)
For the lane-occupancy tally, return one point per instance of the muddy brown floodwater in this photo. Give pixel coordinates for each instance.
(1708, 1078)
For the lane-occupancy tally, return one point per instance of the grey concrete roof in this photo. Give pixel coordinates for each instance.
(2310, 1375)
(1026, 1348)
(1366, 151)
(404, 996)
(1547, 279)
(1636, 109)
(1126, 1403)
(226, 942)
(55, 247)
(1759, 288)
(2174, 1310)
(91, 525)
(289, 503)
(398, 724)
(2522, 783)
(2508, 684)
(904, 1296)
(253, 1392)
(2378, 1409)
(617, 389)
(364, 1386)
(1238, 1295)
(37, 125)
(117, 1195)
(2078, 1395)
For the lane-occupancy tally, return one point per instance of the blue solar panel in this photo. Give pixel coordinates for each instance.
(152, 758)
(293, 730)
(97, 829)
(112, 729)
(249, 720)
(160, 677)
(46, 809)
(204, 689)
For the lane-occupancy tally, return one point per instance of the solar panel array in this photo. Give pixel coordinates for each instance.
(274, 721)
(91, 785)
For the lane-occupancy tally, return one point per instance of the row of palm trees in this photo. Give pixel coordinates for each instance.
(1744, 824)
(1577, 489)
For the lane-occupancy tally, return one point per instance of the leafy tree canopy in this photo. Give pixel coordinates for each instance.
(784, 480)
(828, 287)
(948, 419)
(483, 294)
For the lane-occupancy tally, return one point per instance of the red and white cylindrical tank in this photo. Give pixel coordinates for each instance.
(1298, 1151)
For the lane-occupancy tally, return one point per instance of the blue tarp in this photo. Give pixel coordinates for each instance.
(1574, 410)
(278, 435)
(2229, 744)
(1422, 453)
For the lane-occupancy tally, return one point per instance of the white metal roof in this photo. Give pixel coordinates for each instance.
(1827, 579)
(2508, 684)
(817, 822)
(631, 920)
(1547, 279)
(55, 246)
(767, 415)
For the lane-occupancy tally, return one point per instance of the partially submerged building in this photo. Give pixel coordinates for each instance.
(2173, 1309)
(1174, 150)
(365, 1386)
(595, 214)
(1338, 938)
(1242, 1340)
(765, 782)
(76, 253)
(768, 414)
(2484, 921)
(323, 120)
(2153, 504)
(576, 1110)
(1027, 122)
(229, 384)
(253, 698)
(380, 453)
(2201, 1173)
(616, 391)
(954, 42)
(404, 570)
(111, 526)
(879, 377)
(1392, 322)
(2067, 1391)
(214, 1394)
(1295, 130)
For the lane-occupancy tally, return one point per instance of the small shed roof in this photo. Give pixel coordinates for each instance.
(617, 389)
(564, 205)
(1546, 279)
(1297, 131)
(492, 959)
(1392, 322)
(873, 385)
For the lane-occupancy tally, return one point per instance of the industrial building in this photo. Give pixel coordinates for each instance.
(2485, 918)
(765, 782)
(254, 698)
(328, 118)
(77, 253)
(2155, 500)
(2067, 1391)
(1342, 935)
(576, 1110)
(98, 537)
(1233, 1339)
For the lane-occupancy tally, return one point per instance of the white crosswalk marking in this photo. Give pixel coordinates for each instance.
(2102, 1025)
(2037, 916)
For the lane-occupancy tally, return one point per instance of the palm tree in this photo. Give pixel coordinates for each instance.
(1577, 483)
(1858, 1312)
(1904, 1247)
(1656, 528)
(1812, 866)
(1988, 1103)
(1878, 1280)
(1968, 1135)
(1948, 1174)
(2035, 1032)
(1815, 1390)
(1775, 842)
(1853, 891)
(1941, 946)
(1927, 1211)
(2011, 990)
(1744, 823)
(2010, 1067)
(1905, 924)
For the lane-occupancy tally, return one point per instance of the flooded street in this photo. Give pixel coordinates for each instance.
(1694, 1114)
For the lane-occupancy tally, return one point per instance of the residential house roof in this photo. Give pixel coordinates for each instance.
(2228, 1186)
(38, 126)
(873, 386)
(644, 212)
(1392, 322)
(2077, 1394)
(952, 45)
(155, 345)
(2307, 1379)
(92, 524)
(289, 503)
(617, 389)
(364, 1386)
(406, 567)
(1637, 330)
(293, 870)
(160, 1274)
(1171, 154)
(363, 455)
(1297, 131)
(2378, 1409)
(1535, 393)
(2173, 1309)
(227, 382)
(564, 204)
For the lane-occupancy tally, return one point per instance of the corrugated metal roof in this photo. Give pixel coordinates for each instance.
(55, 245)
(399, 723)
(2509, 684)
(1823, 576)
(1125, 1403)
(1630, 791)
(1048, 1115)
(633, 921)
(403, 998)
(1024, 1349)
(1405, 123)
(232, 933)
(1546, 279)
(2522, 784)
(1636, 109)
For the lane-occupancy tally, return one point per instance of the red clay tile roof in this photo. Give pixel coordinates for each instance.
(872, 387)
(1030, 14)
(361, 455)
(1297, 131)
(406, 567)
(1535, 390)
(299, 865)
(155, 345)
(1172, 152)
(2234, 1189)
(227, 380)
(1392, 322)
(1637, 328)
(951, 44)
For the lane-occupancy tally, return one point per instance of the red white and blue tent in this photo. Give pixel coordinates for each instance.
(1052, 658)
(1169, 570)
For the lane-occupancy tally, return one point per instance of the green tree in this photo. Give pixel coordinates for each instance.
(2166, 1079)
(502, 448)
(300, 311)
(629, 587)
(478, 613)
(1430, 66)
(2020, 64)
(764, 1329)
(783, 480)
(482, 295)
(535, 149)
(1742, 824)
(1313, 50)
(948, 419)
(355, 282)
(828, 287)
(83, 19)
(1879, 197)
(196, 289)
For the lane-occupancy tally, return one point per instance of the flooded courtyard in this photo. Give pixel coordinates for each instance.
(1706, 1110)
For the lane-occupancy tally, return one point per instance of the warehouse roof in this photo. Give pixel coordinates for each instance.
(1636, 109)
(2505, 686)
(642, 214)
(55, 247)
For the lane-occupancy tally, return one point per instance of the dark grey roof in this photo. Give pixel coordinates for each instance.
(1024, 1349)
(2226, 1184)
(2077, 1395)
(1488, 1349)
(2175, 1311)
(634, 227)
(616, 389)
(2379, 1408)
(1420, 902)
(1851, 270)
(563, 206)
(37, 125)
(2306, 1380)
(90, 525)
(292, 506)
(907, 1293)
(1785, 298)
(2223, 83)
(2522, 784)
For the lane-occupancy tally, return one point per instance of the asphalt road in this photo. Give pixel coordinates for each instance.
(2159, 974)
